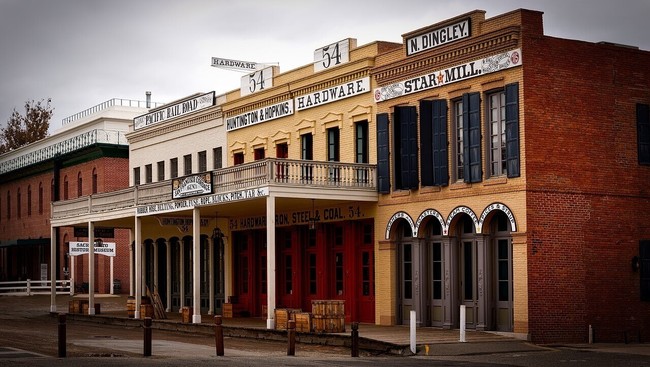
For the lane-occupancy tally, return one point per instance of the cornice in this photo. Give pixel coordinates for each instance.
(172, 126)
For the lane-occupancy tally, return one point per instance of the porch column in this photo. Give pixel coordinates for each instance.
(270, 261)
(449, 276)
(155, 266)
(196, 265)
(482, 267)
(138, 266)
(168, 249)
(143, 268)
(211, 275)
(112, 273)
(73, 260)
(131, 263)
(91, 268)
(181, 268)
(53, 269)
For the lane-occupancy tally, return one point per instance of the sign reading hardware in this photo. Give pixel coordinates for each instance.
(202, 201)
(333, 94)
(333, 55)
(263, 114)
(450, 75)
(437, 37)
(175, 110)
(82, 248)
(192, 186)
(235, 64)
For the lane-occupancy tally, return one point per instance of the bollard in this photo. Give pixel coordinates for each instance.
(462, 324)
(291, 335)
(147, 336)
(62, 341)
(218, 335)
(355, 339)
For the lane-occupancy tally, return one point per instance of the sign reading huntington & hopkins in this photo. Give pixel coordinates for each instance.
(100, 248)
(192, 186)
(472, 69)
(260, 115)
(178, 109)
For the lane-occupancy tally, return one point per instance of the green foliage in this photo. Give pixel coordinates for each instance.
(28, 128)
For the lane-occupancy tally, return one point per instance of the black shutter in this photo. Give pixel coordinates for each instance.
(643, 132)
(426, 143)
(512, 129)
(644, 267)
(472, 137)
(383, 163)
(413, 181)
(440, 158)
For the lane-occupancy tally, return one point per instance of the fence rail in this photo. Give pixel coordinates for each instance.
(32, 287)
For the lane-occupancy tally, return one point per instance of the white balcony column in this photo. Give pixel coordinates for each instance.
(131, 263)
(53, 269)
(138, 266)
(270, 261)
(196, 265)
(91, 268)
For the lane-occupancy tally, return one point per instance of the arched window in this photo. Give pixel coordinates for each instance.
(8, 204)
(94, 180)
(65, 188)
(18, 210)
(40, 198)
(29, 200)
(52, 191)
(79, 185)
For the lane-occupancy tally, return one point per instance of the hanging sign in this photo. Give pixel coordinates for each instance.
(237, 65)
(192, 186)
(100, 248)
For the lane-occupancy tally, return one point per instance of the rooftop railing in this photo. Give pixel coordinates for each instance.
(110, 103)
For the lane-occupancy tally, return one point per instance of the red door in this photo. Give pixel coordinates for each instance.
(366, 277)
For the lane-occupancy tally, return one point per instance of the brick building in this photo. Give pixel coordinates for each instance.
(513, 172)
(86, 156)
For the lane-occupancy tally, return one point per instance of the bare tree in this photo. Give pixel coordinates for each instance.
(27, 128)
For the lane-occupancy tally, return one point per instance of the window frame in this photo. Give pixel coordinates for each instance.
(499, 148)
(187, 164)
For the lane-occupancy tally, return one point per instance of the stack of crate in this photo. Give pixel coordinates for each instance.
(328, 316)
(283, 315)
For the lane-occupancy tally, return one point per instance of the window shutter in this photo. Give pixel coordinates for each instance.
(644, 267)
(383, 166)
(426, 143)
(472, 137)
(412, 144)
(440, 159)
(643, 132)
(512, 130)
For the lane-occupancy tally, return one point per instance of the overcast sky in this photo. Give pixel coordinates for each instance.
(80, 53)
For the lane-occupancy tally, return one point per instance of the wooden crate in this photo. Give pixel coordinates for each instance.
(283, 315)
(77, 306)
(146, 310)
(330, 307)
(303, 322)
(186, 315)
(227, 310)
(85, 308)
(328, 324)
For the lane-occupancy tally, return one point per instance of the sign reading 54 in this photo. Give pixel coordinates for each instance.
(257, 81)
(332, 55)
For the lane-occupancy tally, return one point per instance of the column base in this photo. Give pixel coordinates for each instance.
(270, 324)
(196, 319)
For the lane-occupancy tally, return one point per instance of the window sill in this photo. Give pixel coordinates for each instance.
(400, 193)
(430, 189)
(499, 180)
(460, 186)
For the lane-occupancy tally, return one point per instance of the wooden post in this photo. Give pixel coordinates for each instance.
(62, 337)
(147, 336)
(218, 335)
(355, 339)
(291, 335)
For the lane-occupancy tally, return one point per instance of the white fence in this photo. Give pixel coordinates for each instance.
(32, 287)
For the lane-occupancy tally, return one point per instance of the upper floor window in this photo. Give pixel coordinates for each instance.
(643, 132)
(65, 188)
(29, 200)
(161, 171)
(361, 142)
(187, 164)
(217, 158)
(40, 198)
(467, 127)
(8, 205)
(258, 154)
(79, 185)
(173, 168)
(18, 204)
(405, 148)
(333, 144)
(148, 173)
(307, 147)
(459, 161)
(136, 176)
(203, 161)
(496, 112)
(94, 181)
(238, 158)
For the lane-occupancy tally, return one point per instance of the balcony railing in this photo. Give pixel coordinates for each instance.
(106, 105)
(272, 171)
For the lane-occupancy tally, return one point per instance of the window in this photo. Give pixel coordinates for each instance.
(217, 158)
(18, 204)
(497, 132)
(65, 188)
(94, 180)
(29, 200)
(53, 192)
(8, 205)
(383, 154)
(136, 176)
(333, 148)
(79, 185)
(258, 153)
(40, 198)
(187, 164)
(161, 170)
(307, 154)
(338, 273)
(434, 165)
(643, 132)
(459, 161)
(148, 173)
(406, 148)
(238, 158)
(467, 129)
(361, 149)
(173, 167)
(203, 161)
(644, 267)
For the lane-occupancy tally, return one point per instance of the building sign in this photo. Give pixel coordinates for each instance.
(235, 64)
(192, 186)
(257, 81)
(502, 207)
(257, 116)
(104, 232)
(181, 221)
(319, 215)
(333, 55)
(450, 75)
(333, 94)
(100, 248)
(201, 201)
(175, 110)
(396, 216)
(438, 37)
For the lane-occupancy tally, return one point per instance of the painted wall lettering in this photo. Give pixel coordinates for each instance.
(438, 37)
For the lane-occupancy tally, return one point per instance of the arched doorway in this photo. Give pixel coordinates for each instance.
(502, 292)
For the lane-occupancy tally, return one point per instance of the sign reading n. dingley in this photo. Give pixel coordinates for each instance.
(82, 248)
(437, 37)
(260, 115)
(472, 69)
(175, 110)
(192, 186)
